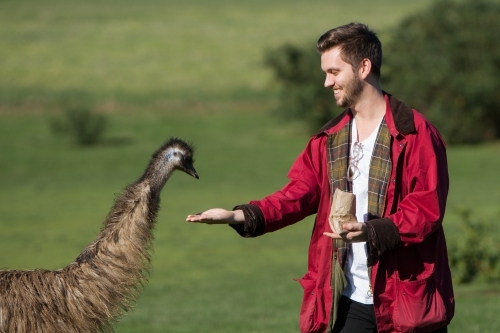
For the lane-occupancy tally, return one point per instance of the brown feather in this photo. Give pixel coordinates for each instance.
(93, 292)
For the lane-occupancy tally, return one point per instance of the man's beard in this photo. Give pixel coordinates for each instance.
(352, 91)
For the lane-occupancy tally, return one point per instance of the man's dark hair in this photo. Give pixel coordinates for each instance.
(356, 42)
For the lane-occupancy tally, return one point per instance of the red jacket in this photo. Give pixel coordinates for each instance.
(411, 282)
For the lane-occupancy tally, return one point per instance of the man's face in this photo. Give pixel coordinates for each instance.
(341, 78)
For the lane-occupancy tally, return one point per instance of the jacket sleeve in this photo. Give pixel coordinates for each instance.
(298, 199)
(424, 185)
(383, 236)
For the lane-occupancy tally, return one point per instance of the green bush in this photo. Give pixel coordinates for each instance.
(475, 254)
(298, 71)
(81, 124)
(445, 62)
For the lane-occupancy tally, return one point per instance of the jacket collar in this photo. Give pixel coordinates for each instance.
(400, 117)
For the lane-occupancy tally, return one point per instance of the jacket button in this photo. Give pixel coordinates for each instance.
(394, 180)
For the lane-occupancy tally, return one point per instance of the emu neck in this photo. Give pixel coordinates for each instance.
(157, 175)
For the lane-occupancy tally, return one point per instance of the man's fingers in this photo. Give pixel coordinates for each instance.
(350, 226)
(347, 237)
(196, 218)
(213, 216)
(331, 235)
(351, 235)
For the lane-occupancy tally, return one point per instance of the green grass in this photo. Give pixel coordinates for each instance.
(54, 197)
(470, 167)
(191, 69)
(143, 51)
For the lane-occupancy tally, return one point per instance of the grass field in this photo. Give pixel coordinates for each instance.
(135, 51)
(191, 69)
(54, 197)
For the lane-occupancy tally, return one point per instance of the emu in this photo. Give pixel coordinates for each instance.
(93, 292)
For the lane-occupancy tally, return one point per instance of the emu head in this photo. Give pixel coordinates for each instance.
(174, 154)
(179, 155)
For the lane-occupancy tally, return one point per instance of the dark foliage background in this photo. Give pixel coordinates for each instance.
(443, 61)
(302, 95)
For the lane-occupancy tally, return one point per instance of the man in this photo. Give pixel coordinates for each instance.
(389, 272)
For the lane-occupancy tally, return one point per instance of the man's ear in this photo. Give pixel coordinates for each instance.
(365, 68)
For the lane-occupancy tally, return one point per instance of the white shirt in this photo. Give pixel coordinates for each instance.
(356, 270)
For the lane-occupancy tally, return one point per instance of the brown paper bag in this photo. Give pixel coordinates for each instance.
(343, 210)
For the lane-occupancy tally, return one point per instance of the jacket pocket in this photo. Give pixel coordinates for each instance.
(418, 306)
(308, 309)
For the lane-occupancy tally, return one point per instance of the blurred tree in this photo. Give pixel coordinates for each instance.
(298, 72)
(83, 125)
(445, 62)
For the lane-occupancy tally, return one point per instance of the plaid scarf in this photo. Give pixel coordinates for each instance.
(380, 171)
(338, 151)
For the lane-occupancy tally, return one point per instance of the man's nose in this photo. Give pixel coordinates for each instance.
(328, 81)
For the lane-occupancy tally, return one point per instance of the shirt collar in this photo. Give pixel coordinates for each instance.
(399, 118)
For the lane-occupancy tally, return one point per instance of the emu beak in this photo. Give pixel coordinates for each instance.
(190, 170)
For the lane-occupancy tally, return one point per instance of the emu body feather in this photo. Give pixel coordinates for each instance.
(93, 292)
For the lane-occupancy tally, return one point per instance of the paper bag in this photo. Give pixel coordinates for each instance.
(343, 210)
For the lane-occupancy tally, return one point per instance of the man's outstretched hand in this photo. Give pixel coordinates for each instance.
(218, 216)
